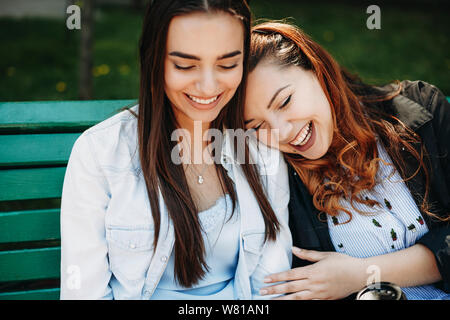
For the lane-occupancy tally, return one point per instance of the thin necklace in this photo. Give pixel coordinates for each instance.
(200, 178)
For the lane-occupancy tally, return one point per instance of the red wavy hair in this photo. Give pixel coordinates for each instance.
(352, 161)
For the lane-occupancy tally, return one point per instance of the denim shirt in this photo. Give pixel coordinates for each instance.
(107, 228)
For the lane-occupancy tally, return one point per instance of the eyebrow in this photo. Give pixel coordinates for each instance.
(192, 57)
(271, 101)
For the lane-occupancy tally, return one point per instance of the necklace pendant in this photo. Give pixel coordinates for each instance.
(200, 179)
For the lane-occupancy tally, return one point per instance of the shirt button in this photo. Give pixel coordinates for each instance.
(163, 258)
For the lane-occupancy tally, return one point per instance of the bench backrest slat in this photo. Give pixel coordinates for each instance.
(30, 264)
(29, 225)
(56, 116)
(43, 294)
(36, 149)
(39, 183)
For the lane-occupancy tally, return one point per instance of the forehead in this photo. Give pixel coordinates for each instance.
(266, 73)
(204, 34)
(264, 81)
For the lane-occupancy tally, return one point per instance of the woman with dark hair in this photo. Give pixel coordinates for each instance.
(139, 223)
(369, 170)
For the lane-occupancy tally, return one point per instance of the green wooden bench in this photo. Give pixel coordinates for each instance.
(35, 143)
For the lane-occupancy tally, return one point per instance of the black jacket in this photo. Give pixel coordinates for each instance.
(424, 109)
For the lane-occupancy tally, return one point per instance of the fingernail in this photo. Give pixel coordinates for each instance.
(267, 280)
(262, 292)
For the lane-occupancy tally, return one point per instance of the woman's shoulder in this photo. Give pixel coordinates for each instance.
(112, 142)
(424, 93)
(418, 103)
(431, 99)
(115, 122)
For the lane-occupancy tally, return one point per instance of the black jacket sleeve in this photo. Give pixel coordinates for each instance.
(438, 239)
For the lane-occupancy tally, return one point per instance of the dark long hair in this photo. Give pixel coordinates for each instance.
(360, 113)
(156, 122)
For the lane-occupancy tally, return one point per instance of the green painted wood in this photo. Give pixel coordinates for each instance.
(30, 264)
(43, 294)
(36, 149)
(36, 115)
(39, 183)
(31, 225)
(32, 114)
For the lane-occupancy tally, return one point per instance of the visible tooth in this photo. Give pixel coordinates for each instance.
(304, 137)
(202, 101)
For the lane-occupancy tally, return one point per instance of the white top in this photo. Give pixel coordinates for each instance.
(221, 238)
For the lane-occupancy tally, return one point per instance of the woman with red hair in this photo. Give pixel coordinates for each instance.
(369, 170)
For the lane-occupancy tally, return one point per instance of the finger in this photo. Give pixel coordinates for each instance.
(302, 295)
(310, 255)
(292, 274)
(287, 287)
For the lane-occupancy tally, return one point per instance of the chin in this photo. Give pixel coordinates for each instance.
(206, 116)
(316, 153)
(309, 154)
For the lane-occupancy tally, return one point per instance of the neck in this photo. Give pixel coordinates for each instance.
(195, 144)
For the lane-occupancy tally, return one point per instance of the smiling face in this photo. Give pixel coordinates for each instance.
(290, 104)
(203, 65)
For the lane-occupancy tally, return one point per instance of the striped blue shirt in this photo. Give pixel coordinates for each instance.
(395, 225)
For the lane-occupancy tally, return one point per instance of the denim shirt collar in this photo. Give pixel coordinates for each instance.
(226, 152)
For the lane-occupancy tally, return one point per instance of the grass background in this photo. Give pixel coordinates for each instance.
(39, 57)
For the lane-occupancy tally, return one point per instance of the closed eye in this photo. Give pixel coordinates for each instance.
(257, 127)
(182, 68)
(285, 102)
(229, 67)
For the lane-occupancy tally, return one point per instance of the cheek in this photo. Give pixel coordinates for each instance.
(329, 127)
(174, 82)
(325, 117)
(232, 80)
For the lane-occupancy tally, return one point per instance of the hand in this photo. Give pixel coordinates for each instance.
(332, 276)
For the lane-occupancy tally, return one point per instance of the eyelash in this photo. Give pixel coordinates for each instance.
(190, 67)
(281, 107)
(183, 68)
(229, 67)
(285, 102)
(257, 128)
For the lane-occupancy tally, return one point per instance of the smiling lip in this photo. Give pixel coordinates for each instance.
(203, 106)
(303, 135)
(310, 142)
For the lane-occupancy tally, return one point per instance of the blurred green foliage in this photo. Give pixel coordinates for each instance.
(413, 42)
(39, 57)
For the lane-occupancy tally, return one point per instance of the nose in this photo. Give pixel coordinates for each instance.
(280, 129)
(207, 84)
